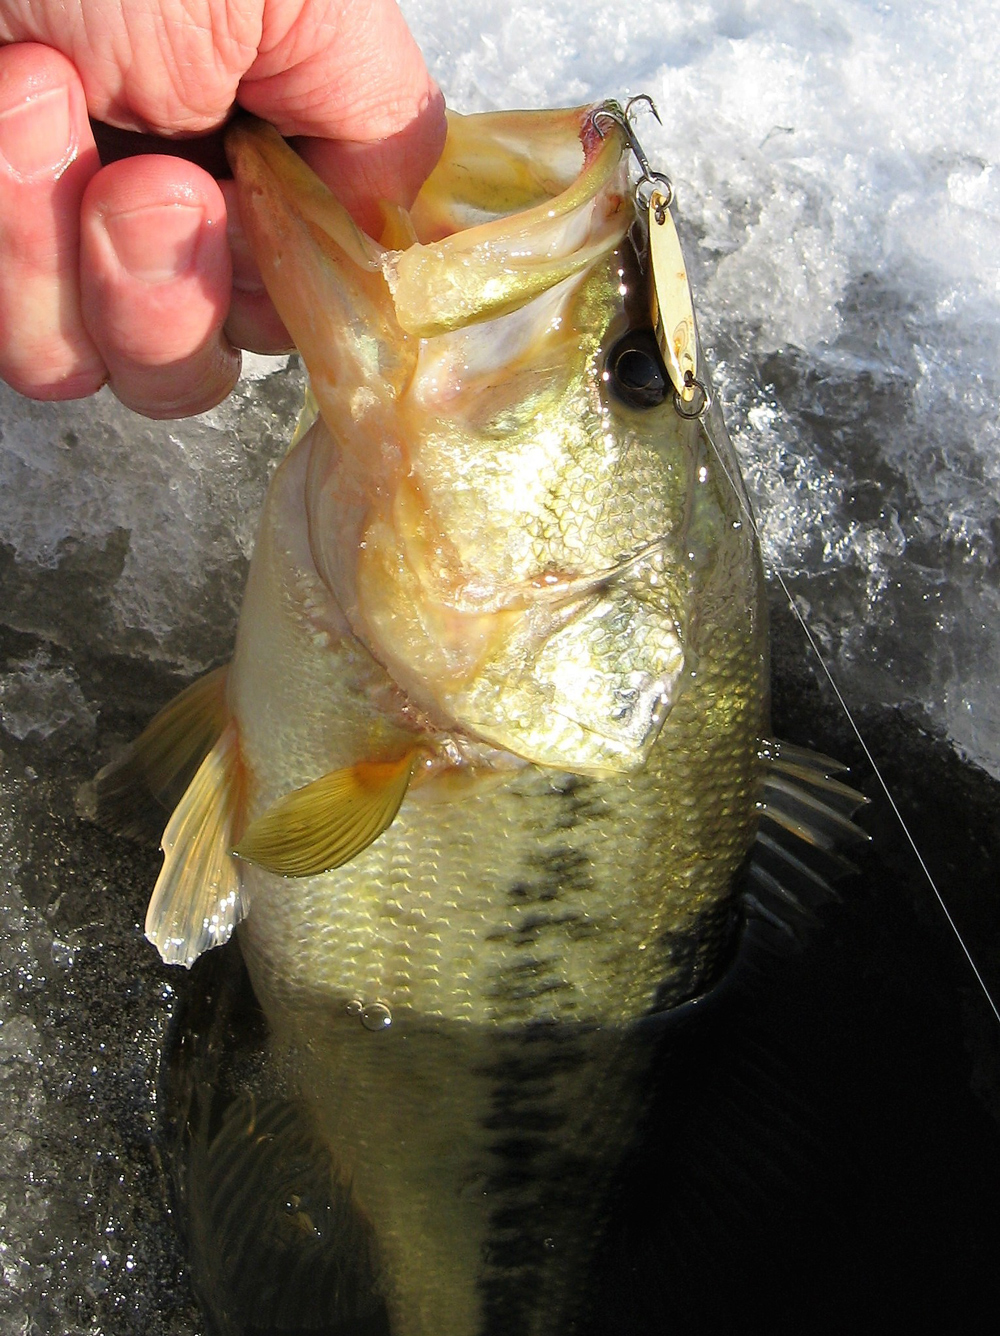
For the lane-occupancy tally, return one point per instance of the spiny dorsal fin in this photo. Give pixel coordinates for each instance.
(810, 813)
(198, 900)
(162, 761)
(328, 822)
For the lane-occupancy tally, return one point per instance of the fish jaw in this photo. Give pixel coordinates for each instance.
(324, 276)
(498, 265)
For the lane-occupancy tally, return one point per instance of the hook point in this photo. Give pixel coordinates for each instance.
(643, 97)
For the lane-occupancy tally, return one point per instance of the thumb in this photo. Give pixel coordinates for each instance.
(348, 75)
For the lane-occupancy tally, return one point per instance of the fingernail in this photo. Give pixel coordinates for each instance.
(156, 243)
(36, 135)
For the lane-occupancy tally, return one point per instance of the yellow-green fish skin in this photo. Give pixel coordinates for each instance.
(512, 552)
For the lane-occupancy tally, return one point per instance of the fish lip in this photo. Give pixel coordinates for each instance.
(488, 269)
(321, 271)
(255, 151)
(474, 272)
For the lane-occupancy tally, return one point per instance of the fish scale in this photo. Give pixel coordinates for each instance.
(470, 1150)
(502, 951)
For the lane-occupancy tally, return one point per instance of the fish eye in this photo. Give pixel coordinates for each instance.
(636, 371)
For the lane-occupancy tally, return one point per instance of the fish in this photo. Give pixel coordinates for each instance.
(481, 783)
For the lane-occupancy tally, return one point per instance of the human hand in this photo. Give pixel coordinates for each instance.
(137, 273)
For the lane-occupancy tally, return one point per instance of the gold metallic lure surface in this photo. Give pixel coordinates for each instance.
(489, 749)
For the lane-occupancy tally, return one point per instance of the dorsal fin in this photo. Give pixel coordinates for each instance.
(198, 899)
(328, 822)
(131, 794)
(805, 826)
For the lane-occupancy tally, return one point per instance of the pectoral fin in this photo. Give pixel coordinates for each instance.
(197, 900)
(330, 821)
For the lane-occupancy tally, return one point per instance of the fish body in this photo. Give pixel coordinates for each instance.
(489, 750)
(544, 595)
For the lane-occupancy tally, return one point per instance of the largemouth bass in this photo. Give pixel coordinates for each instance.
(492, 749)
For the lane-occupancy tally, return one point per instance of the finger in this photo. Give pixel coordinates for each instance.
(47, 157)
(350, 72)
(156, 281)
(391, 169)
(253, 323)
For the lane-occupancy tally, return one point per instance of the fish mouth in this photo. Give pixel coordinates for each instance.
(517, 202)
(470, 294)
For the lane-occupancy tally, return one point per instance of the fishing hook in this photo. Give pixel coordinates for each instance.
(654, 193)
(650, 183)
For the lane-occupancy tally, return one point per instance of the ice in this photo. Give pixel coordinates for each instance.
(36, 698)
(837, 169)
(123, 544)
(133, 534)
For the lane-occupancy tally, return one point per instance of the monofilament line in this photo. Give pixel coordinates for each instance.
(857, 733)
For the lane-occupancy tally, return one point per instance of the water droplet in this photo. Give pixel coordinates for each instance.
(63, 954)
(354, 1008)
(376, 1016)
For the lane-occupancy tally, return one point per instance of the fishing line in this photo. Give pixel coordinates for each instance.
(745, 507)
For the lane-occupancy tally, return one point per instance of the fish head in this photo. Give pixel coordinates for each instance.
(508, 506)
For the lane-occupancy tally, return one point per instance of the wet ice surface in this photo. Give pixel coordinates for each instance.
(82, 1019)
(122, 562)
(839, 198)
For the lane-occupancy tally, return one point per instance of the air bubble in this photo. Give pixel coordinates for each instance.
(376, 1016)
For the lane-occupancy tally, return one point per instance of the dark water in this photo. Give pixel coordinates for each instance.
(833, 1159)
(823, 1147)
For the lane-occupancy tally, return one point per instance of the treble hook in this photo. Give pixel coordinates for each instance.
(657, 182)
